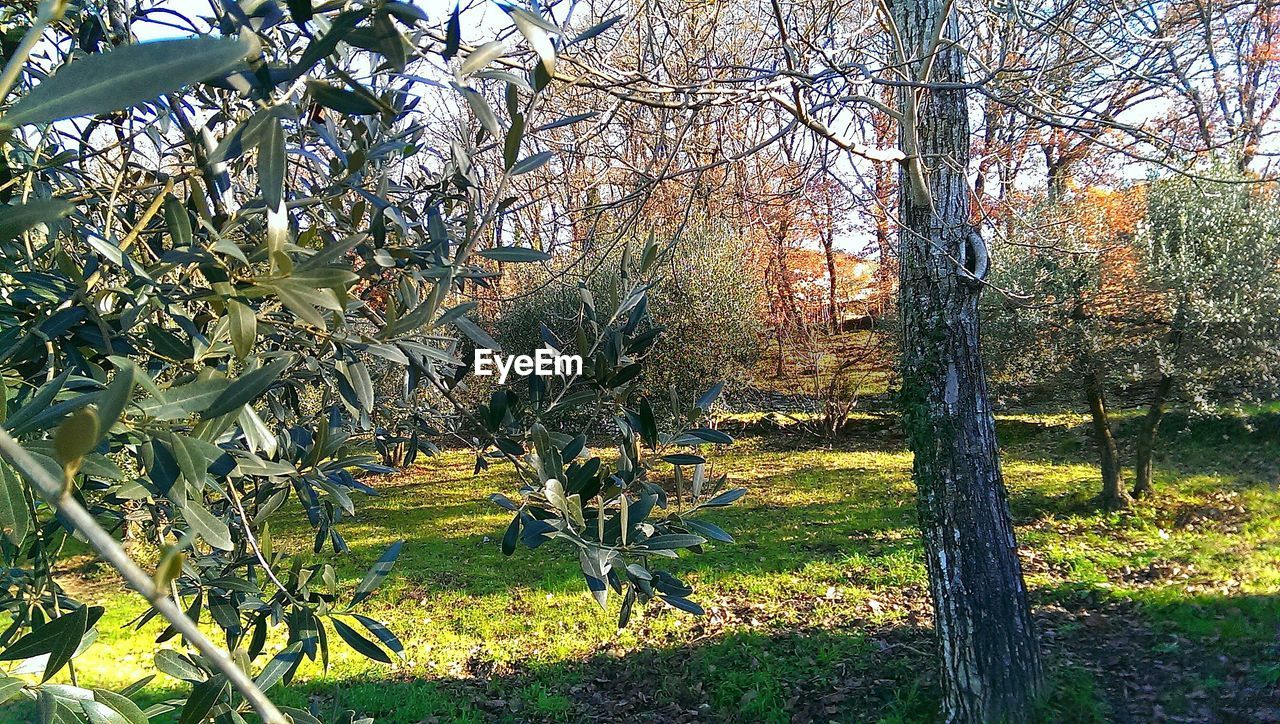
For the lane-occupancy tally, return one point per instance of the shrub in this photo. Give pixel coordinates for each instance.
(704, 297)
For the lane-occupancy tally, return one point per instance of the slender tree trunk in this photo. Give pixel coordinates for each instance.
(1113, 493)
(989, 656)
(829, 249)
(784, 305)
(886, 270)
(778, 368)
(1057, 170)
(1147, 438)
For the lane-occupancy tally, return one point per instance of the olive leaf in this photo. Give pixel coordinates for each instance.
(123, 77)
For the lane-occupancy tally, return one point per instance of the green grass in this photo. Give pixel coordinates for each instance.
(819, 609)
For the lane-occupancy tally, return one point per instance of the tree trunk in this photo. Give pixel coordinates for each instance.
(1113, 493)
(783, 305)
(885, 262)
(883, 190)
(990, 661)
(829, 249)
(778, 368)
(1147, 438)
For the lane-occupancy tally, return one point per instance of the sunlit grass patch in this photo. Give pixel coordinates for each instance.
(826, 576)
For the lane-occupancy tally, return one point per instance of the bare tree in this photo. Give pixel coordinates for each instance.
(1219, 64)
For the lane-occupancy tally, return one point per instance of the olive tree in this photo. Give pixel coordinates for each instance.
(1212, 261)
(1149, 293)
(704, 302)
(206, 243)
(1072, 319)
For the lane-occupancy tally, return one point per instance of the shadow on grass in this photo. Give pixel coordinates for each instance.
(1237, 620)
(1237, 450)
(867, 513)
(1183, 444)
(1161, 651)
(1108, 659)
(768, 540)
(855, 674)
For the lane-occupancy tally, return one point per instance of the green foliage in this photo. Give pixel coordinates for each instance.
(123, 77)
(17, 218)
(1037, 339)
(703, 298)
(1192, 293)
(195, 284)
(1212, 250)
(616, 516)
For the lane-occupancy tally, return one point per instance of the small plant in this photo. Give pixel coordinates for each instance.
(616, 514)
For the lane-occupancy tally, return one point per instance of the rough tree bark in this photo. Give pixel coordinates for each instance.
(1113, 493)
(1146, 441)
(989, 657)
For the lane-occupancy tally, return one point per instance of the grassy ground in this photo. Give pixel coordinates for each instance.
(820, 610)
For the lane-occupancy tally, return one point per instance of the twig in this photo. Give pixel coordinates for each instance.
(84, 522)
(49, 11)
